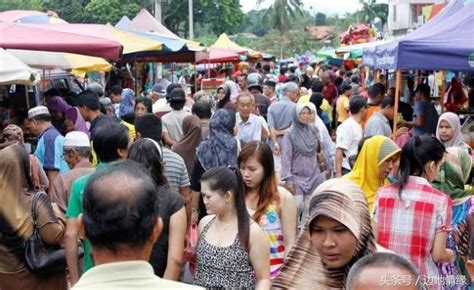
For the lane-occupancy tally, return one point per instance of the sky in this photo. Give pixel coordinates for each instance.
(328, 7)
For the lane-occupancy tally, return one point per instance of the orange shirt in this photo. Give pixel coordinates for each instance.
(370, 111)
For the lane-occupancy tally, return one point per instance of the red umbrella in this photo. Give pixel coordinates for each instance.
(44, 38)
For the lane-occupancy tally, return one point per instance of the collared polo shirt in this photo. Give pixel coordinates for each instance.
(378, 124)
(250, 130)
(50, 150)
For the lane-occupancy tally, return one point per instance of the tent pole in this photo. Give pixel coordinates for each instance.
(442, 90)
(195, 78)
(398, 85)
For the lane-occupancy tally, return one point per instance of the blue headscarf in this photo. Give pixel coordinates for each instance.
(220, 147)
(127, 102)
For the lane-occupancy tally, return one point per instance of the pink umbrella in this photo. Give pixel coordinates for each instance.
(44, 38)
(220, 55)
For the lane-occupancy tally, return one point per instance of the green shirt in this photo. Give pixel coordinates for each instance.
(75, 208)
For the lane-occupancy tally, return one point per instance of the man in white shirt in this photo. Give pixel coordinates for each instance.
(250, 127)
(349, 134)
(122, 222)
(173, 121)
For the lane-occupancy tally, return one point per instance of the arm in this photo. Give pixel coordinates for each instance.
(339, 157)
(177, 233)
(44, 182)
(70, 248)
(167, 139)
(260, 256)
(186, 193)
(57, 193)
(286, 164)
(51, 228)
(52, 174)
(273, 136)
(439, 253)
(288, 218)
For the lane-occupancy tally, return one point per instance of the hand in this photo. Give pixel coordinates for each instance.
(450, 255)
(194, 217)
(276, 149)
(401, 131)
(289, 188)
(470, 268)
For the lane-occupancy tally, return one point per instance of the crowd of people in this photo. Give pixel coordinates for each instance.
(279, 180)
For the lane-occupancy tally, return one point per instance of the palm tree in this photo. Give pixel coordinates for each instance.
(281, 12)
(371, 9)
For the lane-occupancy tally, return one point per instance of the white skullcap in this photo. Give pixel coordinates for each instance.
(36, 111)
(76, 139)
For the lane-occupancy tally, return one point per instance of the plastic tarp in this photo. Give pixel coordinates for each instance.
(14, 71)
(224, 42)
(45, 38)
(30, 16)
(145, 22)
(445, 42)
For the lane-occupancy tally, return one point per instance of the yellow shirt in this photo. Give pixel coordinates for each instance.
(324, 106)
(342, 108)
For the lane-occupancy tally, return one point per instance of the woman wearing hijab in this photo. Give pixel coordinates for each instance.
(337, 234)
(301, 172)
(13, 134)
(451, 179)
(74, 121)
(223, 98)
(373, 165)
(58, 108)
(127, 102)
(192, 136)
(219, 149)
(16, 193)
(448, 131)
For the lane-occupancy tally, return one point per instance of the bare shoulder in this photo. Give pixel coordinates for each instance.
(284, 194)
(204, 221)
(256, 231)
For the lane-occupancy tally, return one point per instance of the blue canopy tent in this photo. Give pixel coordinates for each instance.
(446, 42)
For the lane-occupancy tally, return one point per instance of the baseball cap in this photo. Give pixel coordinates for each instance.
(177, 95)
(37, 111)
(88, 99)
(158, 88)
(76, 139)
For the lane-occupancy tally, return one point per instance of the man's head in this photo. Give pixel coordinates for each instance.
(148, 126)
(245, 105)
(157, 92)
(120, 216)
(89, 104)
(391, 92)
(106, 106)
(76, 148)
(317, 86)
(242, 80)
(202, 109)
(376, 93)
(291, 91)
(111, 142)
(422, 92)
(177, 99)
(358, 106)
(326, 79)
(346, 89)
(40, 119)
(116, 93)
(376, 271)
(254, 85)
(388, 106)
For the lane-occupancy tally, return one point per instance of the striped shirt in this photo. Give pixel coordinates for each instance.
(174, 170)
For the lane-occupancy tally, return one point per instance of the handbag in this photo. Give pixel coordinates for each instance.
(39, 257)
(321, 159)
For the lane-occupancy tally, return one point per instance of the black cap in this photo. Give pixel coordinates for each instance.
(177, 95)
(88, 99)
(269, 83)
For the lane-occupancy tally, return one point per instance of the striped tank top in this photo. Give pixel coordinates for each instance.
(271, 225)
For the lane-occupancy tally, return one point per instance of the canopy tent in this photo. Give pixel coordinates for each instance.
(32, 37)
(124, 23)
(217, 55)
(131, 42)
(356, 50)
(145, 22)
(14, 71)
(77, 64)
(224, 42)
(326, 52)
(30, 16)
(445, 42)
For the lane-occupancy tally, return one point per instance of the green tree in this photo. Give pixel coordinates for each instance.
(23, 5)
(371, 9)
(72, 11)
(320, 19)
(110, 11)
(282, 13)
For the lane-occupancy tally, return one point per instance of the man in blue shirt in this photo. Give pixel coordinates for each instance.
(50, 143)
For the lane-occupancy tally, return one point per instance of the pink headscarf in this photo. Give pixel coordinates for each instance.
(75, 117)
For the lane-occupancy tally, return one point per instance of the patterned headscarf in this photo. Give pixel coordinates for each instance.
(127, 102)
(454, 173)
(304, 137)
(13, 133)
(374, 152)
(453, 121)
(343, 201)
(220, 148)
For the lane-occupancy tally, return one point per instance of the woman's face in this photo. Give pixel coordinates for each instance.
(252, 172)
(334, 242)
(140, 109)
(214, 200)
(306, 116)
(387, 166)
(69, 125)
(445, 130)
(56, 115)
(220, 94)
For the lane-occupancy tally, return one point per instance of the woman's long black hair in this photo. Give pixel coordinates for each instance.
(146, 152)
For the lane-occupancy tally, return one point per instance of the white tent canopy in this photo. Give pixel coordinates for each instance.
(14, 71)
